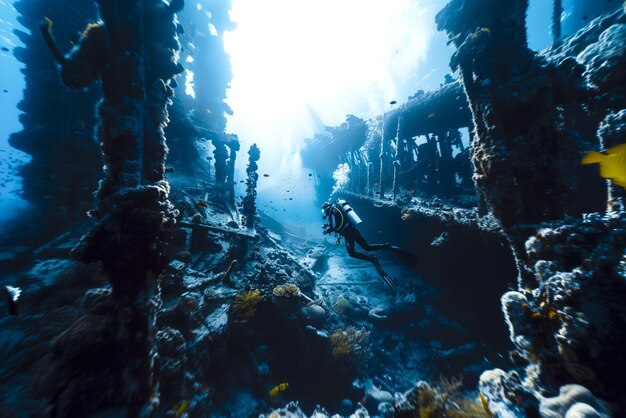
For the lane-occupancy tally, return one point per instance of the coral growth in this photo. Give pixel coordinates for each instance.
(286, 290)
(350, 343)
(570, 329)
(572, 325)
(246, 304)
(531, 114)
(443, 400)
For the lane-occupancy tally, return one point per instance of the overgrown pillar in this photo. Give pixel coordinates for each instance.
(133, 51)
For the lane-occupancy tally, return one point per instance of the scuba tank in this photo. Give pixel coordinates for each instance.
(349, 215)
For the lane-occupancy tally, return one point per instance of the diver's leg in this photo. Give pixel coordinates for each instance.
(405, 256)
(355, 254)
(368, 247)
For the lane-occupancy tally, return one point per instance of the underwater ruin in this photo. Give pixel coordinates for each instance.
(446, 238)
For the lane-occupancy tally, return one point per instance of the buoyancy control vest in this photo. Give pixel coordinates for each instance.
(343, 216)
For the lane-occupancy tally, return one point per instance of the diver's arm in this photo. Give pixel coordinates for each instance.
(330, 226)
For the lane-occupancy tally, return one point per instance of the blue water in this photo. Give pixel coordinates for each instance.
(281, 164)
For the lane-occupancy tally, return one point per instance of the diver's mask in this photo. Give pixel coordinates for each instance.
(325, 210)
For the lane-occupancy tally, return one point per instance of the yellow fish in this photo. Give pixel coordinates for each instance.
(485, 404)
(406, 216)
(180, 408)
(612, 163)
(279, 388)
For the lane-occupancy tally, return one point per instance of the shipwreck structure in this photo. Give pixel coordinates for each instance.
(57, 125)
(534, 117)
(131, 50)
(408, 148)
(189, 311)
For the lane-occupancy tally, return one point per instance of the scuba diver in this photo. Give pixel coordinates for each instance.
(342, 220)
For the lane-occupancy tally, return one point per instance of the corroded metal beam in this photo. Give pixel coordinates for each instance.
(436, 111)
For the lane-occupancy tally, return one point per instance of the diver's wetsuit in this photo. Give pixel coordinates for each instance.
(345, 227)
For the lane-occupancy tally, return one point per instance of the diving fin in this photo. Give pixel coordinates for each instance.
(387, 278)
(405, 256)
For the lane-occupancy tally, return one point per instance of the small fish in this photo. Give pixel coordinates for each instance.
(377, 184)
(266, 175)
(612, 163)
(432, 115)
(180, 408)
(411, 191)
(485, 404)
(5, 90)
(241, 181)
(406, 216)
(291, 198)
(202, 204)
(393, 102)
(13, 294)
(279, 388)
(5, 49)
(310, 175)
